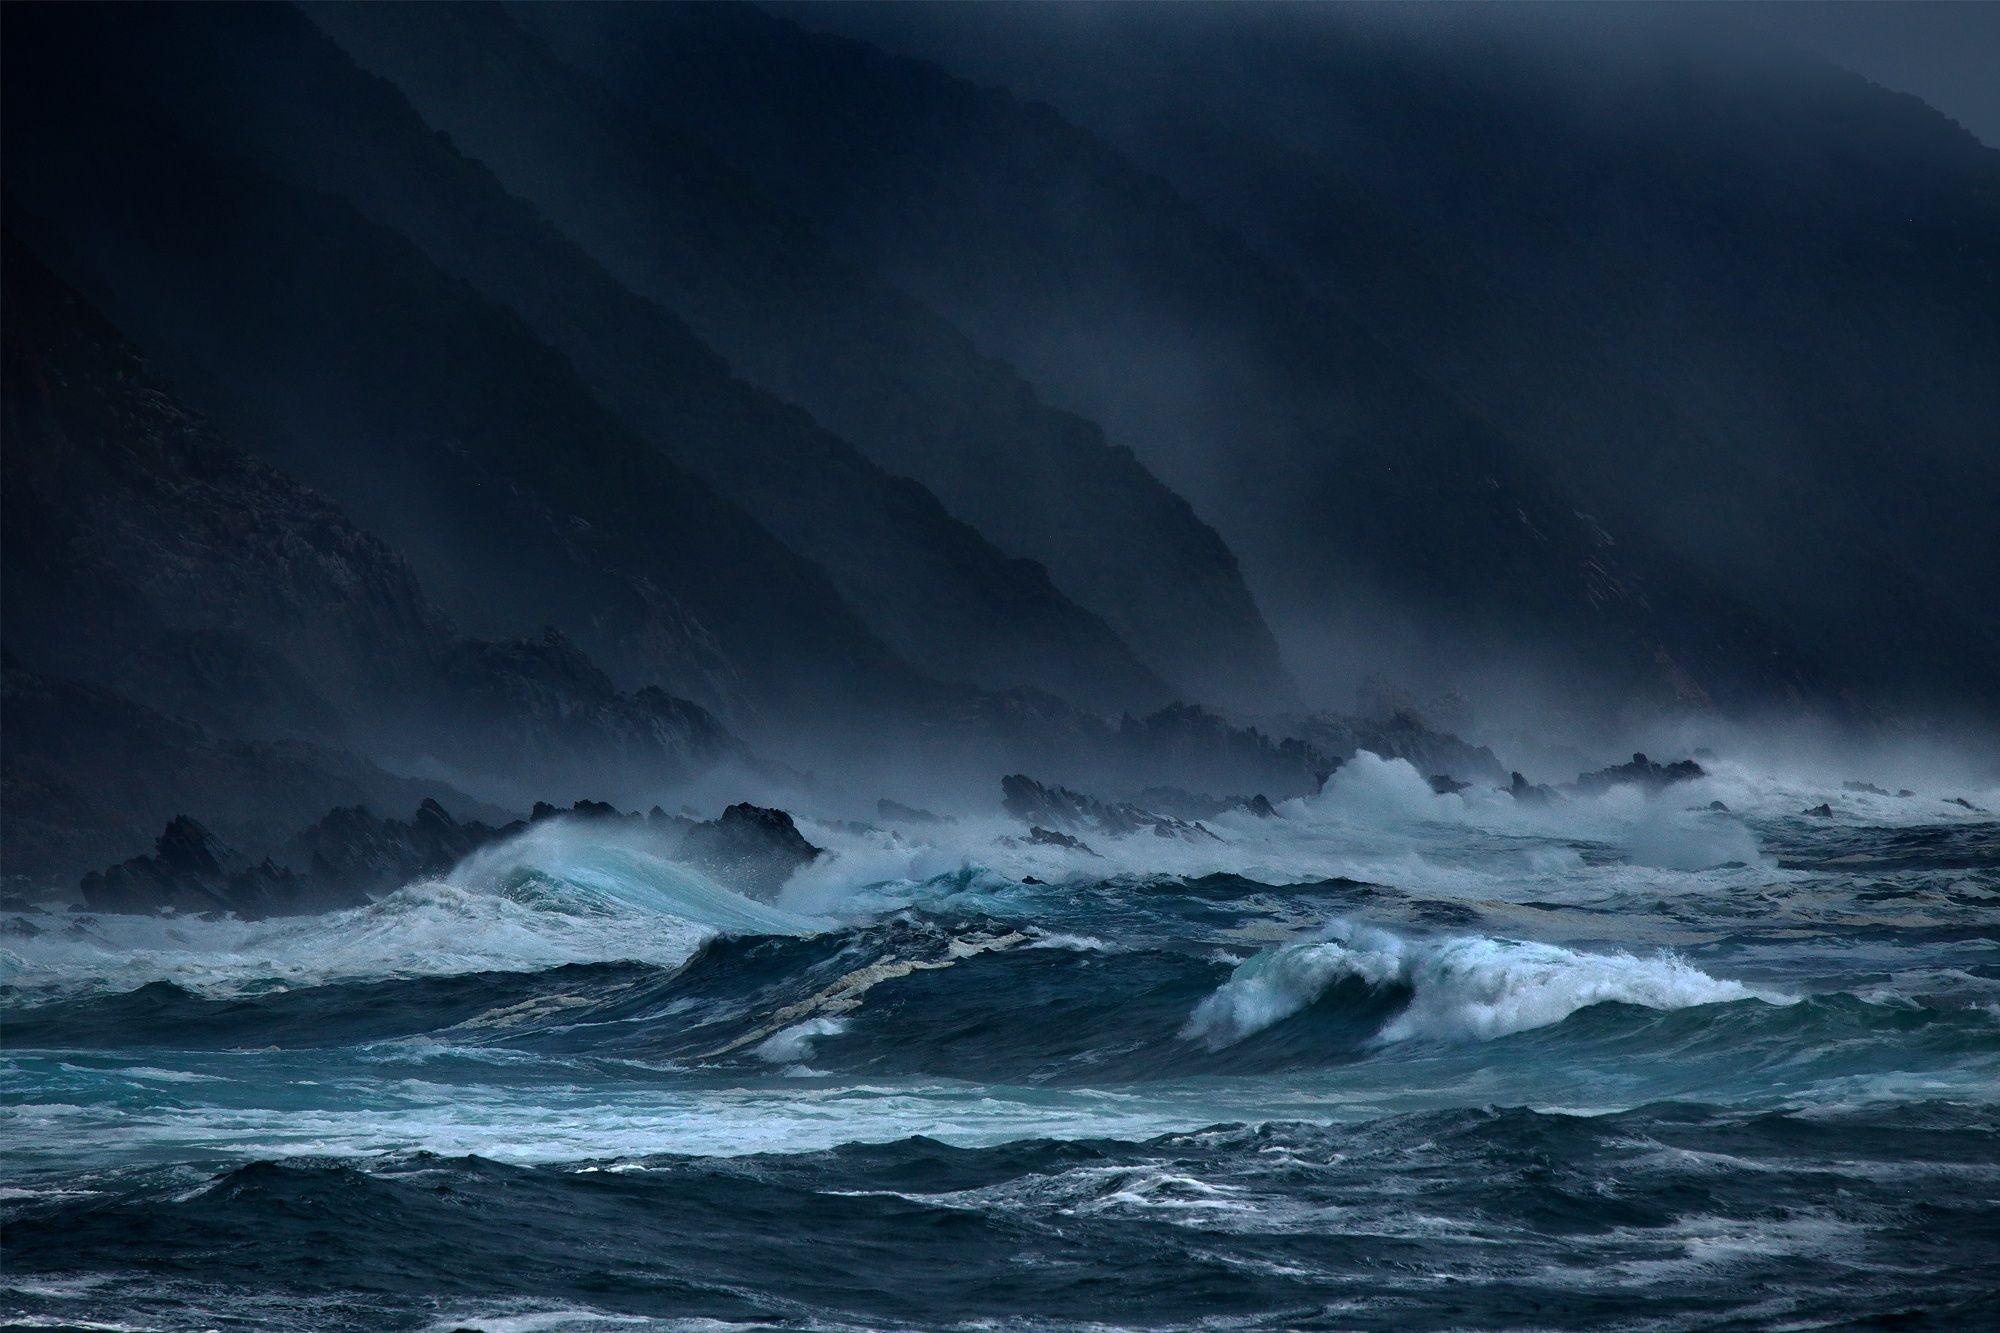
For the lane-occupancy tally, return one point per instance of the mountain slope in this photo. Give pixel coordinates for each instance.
(435, 417)
(141, 553)
(267, 85)
(671, 222)
(1749, 301)
(1386, 526)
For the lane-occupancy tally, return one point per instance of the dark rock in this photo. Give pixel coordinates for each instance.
(582, 809)
(1904, 793)
(1192, 806)
(1867, 788)
(751, 849)
(895, 812)
(1528, 793)
(1718, 807)
(1042, 837)
(352, 852)
(1445, 785)
(190, 870)
(1641, 772)
(1961, 801)
(1820, 811)
(1049, 806)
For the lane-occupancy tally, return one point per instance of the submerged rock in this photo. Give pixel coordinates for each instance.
(1641, 772)
(750, 848)
(1960, 800)
(1865, 788)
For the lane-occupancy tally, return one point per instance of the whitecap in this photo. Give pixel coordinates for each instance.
(1462, 987)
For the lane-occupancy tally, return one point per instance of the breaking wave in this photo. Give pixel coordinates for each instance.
(1460, 987)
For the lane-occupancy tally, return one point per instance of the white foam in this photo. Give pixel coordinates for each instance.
(1463, 987)
(793, 1045)
(558, 893)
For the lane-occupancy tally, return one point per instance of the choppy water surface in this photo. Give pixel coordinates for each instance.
(1391, 1060)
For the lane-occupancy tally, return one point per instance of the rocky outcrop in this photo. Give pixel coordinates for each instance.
(1641, 772)
(190, 870)
(351, 855)
(1061, 809)
(1402, 735)
(89, 777)
(751, 849)
(354, 853)
(1194, 807)
(1043, 837)
(1528, 793)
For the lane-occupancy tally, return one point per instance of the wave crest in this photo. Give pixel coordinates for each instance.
(1460, 987)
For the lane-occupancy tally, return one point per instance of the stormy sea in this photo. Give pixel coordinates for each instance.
(1379, 1058)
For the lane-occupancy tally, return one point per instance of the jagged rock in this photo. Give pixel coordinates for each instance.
(1049, 806)
(190, 870)
(354, 852)
(1866, 788)
(1194, 806)
(1446, 785)
(582, 809)
(1042, 837)
(1528, 793)
(751, 849)
(1960, 800)
(895, 812)
(1820, 811)
(1641, 772)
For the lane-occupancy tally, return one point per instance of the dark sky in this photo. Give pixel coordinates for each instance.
(1944, 51)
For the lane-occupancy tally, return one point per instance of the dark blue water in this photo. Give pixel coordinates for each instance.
(1393, 1061)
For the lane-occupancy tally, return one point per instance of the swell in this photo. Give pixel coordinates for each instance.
(984, 999)
(1713, 1212)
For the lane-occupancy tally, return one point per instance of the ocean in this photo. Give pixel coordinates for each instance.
(1390, 1059)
